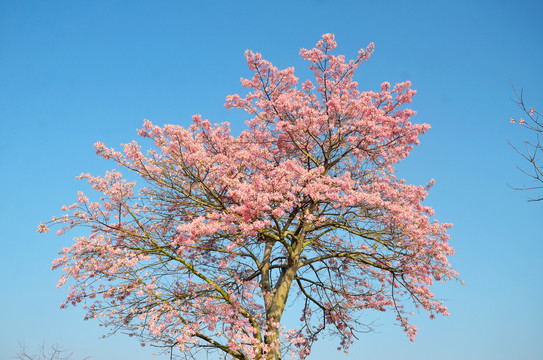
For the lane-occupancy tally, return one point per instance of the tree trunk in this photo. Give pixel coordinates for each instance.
(279, 300)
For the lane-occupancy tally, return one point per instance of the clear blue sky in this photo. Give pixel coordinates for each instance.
(75, 72)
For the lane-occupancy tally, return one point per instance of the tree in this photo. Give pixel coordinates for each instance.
(532, 149)
(53, 352)
(303, 204)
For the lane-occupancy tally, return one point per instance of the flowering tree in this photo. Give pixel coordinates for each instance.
(532, 149)
(303, 204)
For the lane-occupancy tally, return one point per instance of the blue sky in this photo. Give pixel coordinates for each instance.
(75, 72)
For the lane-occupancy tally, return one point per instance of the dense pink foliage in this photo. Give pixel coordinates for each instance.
(303, 203)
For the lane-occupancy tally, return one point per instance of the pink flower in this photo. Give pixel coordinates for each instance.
(512, 121)
(42, 228)
(531, 111)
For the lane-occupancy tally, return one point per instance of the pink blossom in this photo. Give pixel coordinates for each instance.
(42, 228)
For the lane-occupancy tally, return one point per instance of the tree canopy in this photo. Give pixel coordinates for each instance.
(203, 253)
